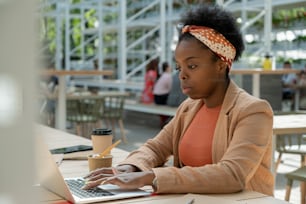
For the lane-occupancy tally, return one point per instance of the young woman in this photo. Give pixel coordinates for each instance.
(161, 90)
(220, 137)
(147, 95)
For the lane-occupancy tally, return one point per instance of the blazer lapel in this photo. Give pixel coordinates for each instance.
(221, 134)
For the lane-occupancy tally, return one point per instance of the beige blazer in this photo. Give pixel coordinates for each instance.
(241, 149)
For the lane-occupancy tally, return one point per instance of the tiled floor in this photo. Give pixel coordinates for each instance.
(140, 127)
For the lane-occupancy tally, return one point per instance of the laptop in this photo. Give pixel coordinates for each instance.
(51, 178)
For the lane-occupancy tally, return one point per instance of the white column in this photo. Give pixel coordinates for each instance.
(122, 59)
(58, 37)
(220, 2)
(169, 40)
(256, 85)
(244, 18)
(67, 37)
(267, 26)
(162, 30)
(100, 36)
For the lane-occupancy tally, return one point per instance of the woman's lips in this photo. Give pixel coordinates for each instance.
(185, 89)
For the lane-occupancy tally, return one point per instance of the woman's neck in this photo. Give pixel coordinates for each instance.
(216, 99)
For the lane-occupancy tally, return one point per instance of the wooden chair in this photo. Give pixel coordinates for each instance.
(286, 144)
(297, 175)
(85, 113)
(112, 111)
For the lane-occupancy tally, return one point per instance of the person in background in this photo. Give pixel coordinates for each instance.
(301, 83)
(176, 96)
(149, 81)
(163, 85)
(47, 88)
(220, 137)
(288, 83)
(301, 77)
(162, 88)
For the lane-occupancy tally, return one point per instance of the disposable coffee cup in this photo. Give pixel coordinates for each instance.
(101, 139)
(95, 162)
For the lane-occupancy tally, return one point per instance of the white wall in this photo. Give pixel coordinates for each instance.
(17, 78)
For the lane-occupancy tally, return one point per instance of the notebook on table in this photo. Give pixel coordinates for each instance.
(51, 178)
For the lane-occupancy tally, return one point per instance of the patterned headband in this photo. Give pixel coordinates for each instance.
(214, 40)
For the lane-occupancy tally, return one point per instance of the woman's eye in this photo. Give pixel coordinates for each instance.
(192, 66)
(177, 68)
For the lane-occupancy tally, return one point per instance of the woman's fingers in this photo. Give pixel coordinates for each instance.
(98, 177)
(123, 180)
(105, 171)
(92, 184)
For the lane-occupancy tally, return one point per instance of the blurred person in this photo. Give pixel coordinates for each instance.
(163, 85)
(48, 88)
(301, 83)
(288, 82)
(176, 96)
(149, 81)
(161, 90)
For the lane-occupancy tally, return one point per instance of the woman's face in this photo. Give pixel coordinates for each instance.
(200, 74)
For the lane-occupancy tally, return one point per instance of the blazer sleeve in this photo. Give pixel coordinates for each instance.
(156, 151)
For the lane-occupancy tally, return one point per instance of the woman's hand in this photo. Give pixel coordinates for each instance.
(131, 180)
(99, 173)
(94, 178)
(126, 168)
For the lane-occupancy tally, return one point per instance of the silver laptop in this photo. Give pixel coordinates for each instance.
(50, 178)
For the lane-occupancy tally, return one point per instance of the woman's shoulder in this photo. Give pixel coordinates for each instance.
(250, 104)
(240, 100)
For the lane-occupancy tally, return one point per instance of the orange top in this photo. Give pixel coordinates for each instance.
(196, 145)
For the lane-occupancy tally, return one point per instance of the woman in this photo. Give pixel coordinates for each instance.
(161, 90)
(220, 137)
(150, 78)
(163, 85)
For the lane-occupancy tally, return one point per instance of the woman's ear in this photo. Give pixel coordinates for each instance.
(222, 66)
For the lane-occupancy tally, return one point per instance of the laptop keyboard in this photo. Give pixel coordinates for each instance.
(76, 188)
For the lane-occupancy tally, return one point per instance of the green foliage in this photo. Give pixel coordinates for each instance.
(287, 17)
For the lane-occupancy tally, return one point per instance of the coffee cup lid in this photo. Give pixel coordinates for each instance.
(102, 131)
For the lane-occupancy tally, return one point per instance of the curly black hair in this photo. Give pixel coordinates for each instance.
(217, 18)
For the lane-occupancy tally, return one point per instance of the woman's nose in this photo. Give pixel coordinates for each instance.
(182, 75)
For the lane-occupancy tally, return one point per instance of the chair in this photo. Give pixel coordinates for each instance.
(112, 111)
(85, 113)
(297, 175)
(290, 145)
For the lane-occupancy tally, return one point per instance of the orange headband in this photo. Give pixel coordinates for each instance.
(214, 40)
